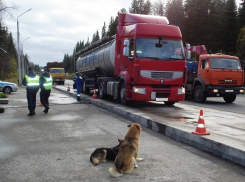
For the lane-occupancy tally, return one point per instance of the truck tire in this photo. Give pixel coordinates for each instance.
(169, 103)
(199, 95)
(229, 98)
(100, 92)
(123, 99)
(85, 89)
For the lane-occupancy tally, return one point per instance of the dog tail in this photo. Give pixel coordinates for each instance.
(114, 173)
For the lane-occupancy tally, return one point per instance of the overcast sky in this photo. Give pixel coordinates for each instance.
(55, 26)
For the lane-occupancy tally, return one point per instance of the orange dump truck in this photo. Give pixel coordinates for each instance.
(57, 71)
(213, 75)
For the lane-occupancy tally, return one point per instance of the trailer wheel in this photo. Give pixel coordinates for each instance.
(101, 88)
(229, 98)
(199, 95)
(123, 94)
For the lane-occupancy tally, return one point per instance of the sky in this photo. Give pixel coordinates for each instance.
(52, 28)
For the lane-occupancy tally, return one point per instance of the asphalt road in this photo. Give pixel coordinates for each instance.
(57, 146)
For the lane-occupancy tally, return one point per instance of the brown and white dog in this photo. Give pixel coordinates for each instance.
(128, 150)
(104, 154)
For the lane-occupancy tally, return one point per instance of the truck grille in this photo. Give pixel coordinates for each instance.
(228, 82)
(167, 75)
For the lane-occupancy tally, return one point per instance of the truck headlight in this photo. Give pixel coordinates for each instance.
(241, 91)
(181, 91)
(139, 90)
(215, 90)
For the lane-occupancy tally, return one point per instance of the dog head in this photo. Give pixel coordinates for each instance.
(133, 131)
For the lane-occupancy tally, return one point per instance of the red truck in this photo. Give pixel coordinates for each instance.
(213, 75)
(144, 61)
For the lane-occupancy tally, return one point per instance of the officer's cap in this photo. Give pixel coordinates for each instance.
(30, 68)
(43, 69)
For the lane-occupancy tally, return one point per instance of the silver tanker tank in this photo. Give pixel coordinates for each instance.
(102, 58)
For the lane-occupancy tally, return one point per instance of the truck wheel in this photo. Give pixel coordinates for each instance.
(123, 94)
(229, 98)
(7, 90)
(199, 95)
(85, 89)
(101, 88)
(169, 103)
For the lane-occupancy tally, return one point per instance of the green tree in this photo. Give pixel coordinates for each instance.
(112, 26)
(158, 8)
(229, 26)
(103, 31)
(147, 8)
(134, 7)
(241, 15)
(240, 52)
(175, 12)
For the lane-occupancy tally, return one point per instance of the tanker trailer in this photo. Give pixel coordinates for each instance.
(144, 61)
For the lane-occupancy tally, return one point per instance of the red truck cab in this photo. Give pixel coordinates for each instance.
(149, 59)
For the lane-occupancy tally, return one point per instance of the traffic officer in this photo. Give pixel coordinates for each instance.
(79, 83)
(46, 86)
(31, 81)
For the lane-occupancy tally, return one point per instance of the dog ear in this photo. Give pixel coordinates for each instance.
(129, 125)
(120, 140)
(138, 126)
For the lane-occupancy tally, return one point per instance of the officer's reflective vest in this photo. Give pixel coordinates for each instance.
(32, 82)
(48, 83)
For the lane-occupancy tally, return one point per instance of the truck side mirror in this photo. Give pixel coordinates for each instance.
(126, 42)
(126, 51)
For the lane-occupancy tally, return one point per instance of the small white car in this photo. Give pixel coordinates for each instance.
(8, 87)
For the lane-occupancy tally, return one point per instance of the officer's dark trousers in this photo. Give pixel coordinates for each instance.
(44, 95)
(31, 99)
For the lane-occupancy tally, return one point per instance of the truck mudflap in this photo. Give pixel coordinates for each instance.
(221, 90)
(173, 94)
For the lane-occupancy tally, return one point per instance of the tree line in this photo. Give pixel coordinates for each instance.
(8, 51)
(217, 24)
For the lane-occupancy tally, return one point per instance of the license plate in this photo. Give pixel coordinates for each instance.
(57, 79)
(229, 90)
(161, 99)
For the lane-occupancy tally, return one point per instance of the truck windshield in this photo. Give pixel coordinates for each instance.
(56, 71)
(169, 49)
(225, 63)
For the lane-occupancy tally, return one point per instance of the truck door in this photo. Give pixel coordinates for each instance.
(204, 71)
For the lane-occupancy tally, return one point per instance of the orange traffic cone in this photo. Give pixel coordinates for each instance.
(201, 129)
(94, 96)
(41, 104)
(68, 89)
(54, 84)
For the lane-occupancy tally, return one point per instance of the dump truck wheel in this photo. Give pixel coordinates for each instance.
(229, 98)
(199, 95)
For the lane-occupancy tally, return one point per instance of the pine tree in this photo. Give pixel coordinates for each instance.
(240, 52)
(175, 13)
(134, 7)
(103, 31)
(229, 25)
(147, 8)
(158, 8)
(241, 15)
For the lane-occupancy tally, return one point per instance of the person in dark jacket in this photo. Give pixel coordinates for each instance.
(46, 86)
(31, 81)
(79, 83)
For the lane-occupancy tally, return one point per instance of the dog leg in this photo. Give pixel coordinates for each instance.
(135, 164)
(140, 159)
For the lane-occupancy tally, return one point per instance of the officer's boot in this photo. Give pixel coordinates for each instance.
(31, 113)
(46, 108)
(34, 113)
(78, 98)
